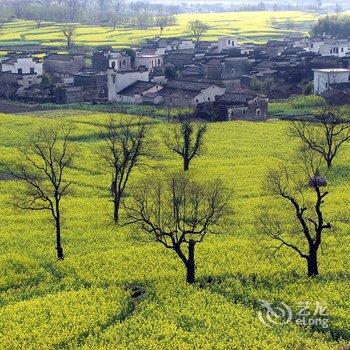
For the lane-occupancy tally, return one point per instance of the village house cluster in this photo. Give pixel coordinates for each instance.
(224, 79)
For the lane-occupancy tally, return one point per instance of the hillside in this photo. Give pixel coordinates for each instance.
(239, 23)
(84, 302)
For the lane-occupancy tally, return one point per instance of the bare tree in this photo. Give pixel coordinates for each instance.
(161, 22)
(39, 18)
(338, 9)
(318, 6)
(197, 28)
(73, 9)
(186, 138)
(117, 4)
(43, 169)
(179, 213)
(210, 111)
(114, 19)
(38, 22)
(69, 32)
(327, 135)
(306, 222)
(124, 148)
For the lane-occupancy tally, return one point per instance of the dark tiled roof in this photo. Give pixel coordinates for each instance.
(169, 91)
(214, 62)
(148, 50)
(158, 71)
(203, 45)
(140, 69)
(137, 88)
(179, 60)
(9, 78)
(236, 98)
(345, 87)
(193, 69)
(11, 60)
(188, 85)
(90, 72)
(59, 57)
(175, 42)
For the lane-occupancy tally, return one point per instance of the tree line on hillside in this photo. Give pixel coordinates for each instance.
(337, 26)
(113, 13)
(176, 209)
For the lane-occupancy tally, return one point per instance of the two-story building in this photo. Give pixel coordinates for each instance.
(314, 45)
(180, 44)
(148, 61)
(335, 47)
(104, 59)
(227, 43)
(140, 92)
(119, 80)
(19, 72)
(324, 78)
(22, 65)
(184, 93)
(63, 67)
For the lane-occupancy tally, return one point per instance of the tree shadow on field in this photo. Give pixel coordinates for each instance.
(242, 289)
(339, 174)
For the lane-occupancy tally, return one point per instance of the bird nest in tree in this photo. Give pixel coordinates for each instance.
(317, 181)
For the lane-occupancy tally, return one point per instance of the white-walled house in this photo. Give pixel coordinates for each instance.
(329, 47)
(22, 65)
(324, 78)
(119, 80)
(181, 44)
(180, 93)
(315, 44)
(149, 61)
(228, 42)
(332, 47)
(104, 60)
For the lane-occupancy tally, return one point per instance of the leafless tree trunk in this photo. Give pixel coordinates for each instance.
(68, 31)
(186, 138)
(45, 162)
(125, 146)
(327, 135)
(179, 213)
(38, 23)
(307, 217)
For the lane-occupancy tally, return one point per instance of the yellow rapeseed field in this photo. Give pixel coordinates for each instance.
(251, 26)
(84, 302)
